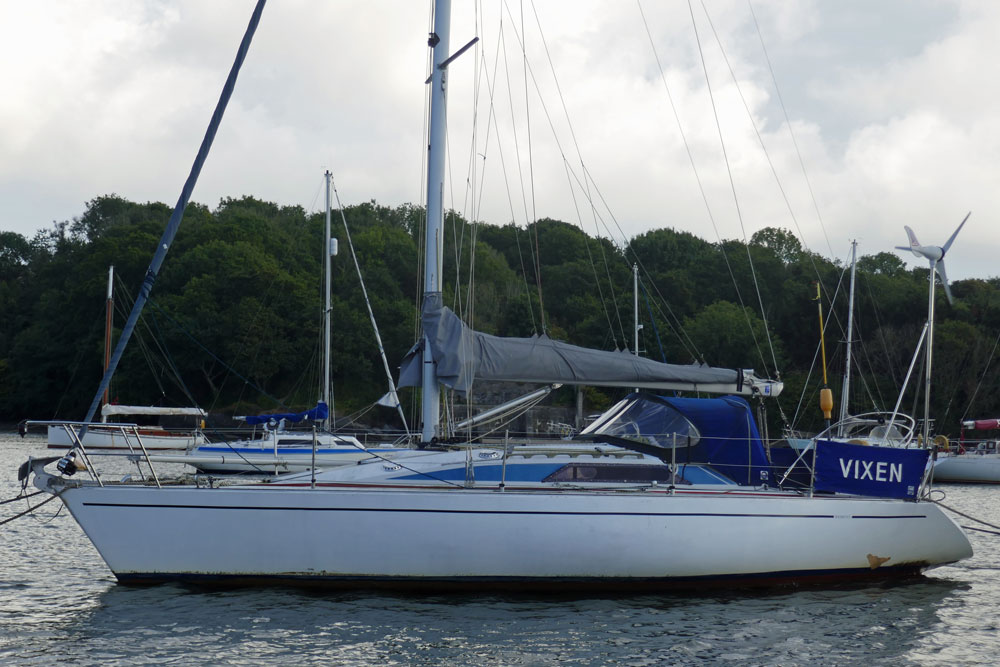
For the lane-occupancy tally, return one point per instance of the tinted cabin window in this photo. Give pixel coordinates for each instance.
(597, 472)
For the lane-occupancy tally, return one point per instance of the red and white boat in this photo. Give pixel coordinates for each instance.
(114, 436)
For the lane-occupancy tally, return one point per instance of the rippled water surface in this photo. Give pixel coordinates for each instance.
(60, 604)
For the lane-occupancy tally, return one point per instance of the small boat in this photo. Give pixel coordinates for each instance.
(970, 462)
(278, 449)
(132, 436)
(62, 436)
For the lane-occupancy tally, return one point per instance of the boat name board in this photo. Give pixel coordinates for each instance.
(883, 472)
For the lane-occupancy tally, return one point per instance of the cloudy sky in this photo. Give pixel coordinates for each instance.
(894, 108)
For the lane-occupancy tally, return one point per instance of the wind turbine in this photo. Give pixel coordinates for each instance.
(935, 255)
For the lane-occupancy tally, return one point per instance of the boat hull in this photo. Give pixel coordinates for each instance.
(969, 468)
(532, 540)
(99, 438)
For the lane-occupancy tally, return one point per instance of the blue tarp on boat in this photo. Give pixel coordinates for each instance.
(319, 413)
(719, 432)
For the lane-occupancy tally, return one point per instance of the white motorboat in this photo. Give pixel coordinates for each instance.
(970, 462)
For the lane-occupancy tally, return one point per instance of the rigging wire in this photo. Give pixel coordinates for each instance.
(688, 343)
(158, 341)
(690, 155)
(215, 357)
(656, 330)
(826, 324)
(981, 378)
(520, 174)
(791, 132)
(531, 170)
(371, 314)
(739, 211)
(597, 280)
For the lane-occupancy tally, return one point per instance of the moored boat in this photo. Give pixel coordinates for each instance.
(112, 436)
(970, 462)
(667, 492)
(581, 516)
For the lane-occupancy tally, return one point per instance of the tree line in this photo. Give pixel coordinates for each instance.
(234, 324)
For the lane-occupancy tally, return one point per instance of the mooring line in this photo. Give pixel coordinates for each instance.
(16, 498)
(981, 530)
(968, 516)
(31, 509)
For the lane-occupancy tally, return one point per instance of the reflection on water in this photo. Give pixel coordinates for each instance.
(58, 602)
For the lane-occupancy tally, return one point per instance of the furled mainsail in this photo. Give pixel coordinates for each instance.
(463, 356)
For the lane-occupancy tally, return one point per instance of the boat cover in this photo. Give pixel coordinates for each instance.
(109, 410)
(463, 356)
(982, 424)
(319, 413)
(718, 432)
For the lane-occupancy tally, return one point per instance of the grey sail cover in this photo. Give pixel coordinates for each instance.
(464, 356)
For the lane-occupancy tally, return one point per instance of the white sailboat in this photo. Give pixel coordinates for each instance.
(647, 504)
(280, 450)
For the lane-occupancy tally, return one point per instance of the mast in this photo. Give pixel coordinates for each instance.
(327, 252)
(635, 305)
(175, 218)
(108, 315)
(930, 353)
(635, 309)
(845, 392)
(439, 42)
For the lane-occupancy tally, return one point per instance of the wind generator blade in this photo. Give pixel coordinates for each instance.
(914, 243)
(948, 244)
(939, 267)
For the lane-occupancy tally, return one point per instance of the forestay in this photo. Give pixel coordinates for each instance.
(464, 356)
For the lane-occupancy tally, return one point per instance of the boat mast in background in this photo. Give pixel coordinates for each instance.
(845, 391)
(109, 310)
(328, 251)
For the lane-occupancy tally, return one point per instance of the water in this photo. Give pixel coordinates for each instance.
(60, 604)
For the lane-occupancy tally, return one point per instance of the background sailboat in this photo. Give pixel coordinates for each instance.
(152, 437)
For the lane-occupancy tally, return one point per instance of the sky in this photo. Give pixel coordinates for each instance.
(862, 117)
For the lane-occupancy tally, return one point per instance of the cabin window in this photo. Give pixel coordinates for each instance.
(605, 472)
(646, 422)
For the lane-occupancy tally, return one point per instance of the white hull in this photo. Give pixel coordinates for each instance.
(98, 438)
(968, 468)
(535, 539)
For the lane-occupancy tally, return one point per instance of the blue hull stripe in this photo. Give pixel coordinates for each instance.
(499, 512)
